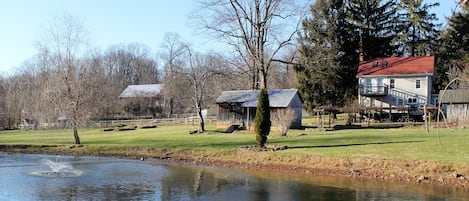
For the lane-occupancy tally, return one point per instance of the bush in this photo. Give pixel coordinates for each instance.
(262, 119)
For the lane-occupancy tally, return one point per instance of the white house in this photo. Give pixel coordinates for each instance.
(396, 82)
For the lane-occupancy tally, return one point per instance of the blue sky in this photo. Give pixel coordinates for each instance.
(108, 22)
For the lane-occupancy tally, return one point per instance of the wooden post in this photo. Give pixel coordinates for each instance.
(381, 110)
(427, 128)
(429, 118)
(321, 119)
(368, 120)
(318, 121)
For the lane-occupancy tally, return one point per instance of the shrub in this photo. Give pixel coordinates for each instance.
(284, 119)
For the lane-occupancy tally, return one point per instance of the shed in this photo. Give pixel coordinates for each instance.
(239, 107)
(142, 99)
(456, 103)
(142, 91)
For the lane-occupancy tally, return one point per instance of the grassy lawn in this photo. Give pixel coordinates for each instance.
(396, 143)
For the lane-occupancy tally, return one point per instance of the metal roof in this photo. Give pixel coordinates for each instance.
(248, 98)
(455, 96)
(141, 91)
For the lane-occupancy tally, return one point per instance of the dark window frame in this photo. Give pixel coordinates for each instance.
(418, 84)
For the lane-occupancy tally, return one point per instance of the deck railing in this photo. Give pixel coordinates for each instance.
(373, 90)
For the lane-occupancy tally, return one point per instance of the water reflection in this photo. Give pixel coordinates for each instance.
(111, 179)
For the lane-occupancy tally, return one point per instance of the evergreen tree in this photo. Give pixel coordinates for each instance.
(418, 30)
(456, 36)
(375, 22)
(262, 119)
(453, 58)
(328, 57)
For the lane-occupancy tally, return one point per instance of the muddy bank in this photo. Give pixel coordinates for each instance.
(418, 172)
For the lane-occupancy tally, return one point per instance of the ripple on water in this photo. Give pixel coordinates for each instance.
(41, 173)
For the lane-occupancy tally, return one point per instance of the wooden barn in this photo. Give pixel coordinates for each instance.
(239, 107)
(143, 100)
(456, 103)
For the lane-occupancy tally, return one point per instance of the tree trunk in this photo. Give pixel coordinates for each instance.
(201, 120)
(75, 134)
(263, 79)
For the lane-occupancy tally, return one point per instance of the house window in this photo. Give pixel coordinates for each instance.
(417, 84)
(412, 101)
(400, 101)
(392, 83)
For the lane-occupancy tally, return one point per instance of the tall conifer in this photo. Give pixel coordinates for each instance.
(328, 60)
(417, 30)
(375, 22)
(262, 119)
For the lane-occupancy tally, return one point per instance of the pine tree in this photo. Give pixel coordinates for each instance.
(328, 56)
(418, 30)
(453, 57)
(375, 22)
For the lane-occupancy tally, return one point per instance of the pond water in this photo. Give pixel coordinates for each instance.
(39, 177)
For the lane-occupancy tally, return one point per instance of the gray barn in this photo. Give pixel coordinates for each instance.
(143, 100)
(239, 107)
(456, 103)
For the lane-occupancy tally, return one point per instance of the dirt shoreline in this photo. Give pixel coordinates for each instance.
(414, 172)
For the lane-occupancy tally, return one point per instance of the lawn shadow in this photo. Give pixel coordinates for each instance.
(354, 144)
(376, 126)
(308, 127)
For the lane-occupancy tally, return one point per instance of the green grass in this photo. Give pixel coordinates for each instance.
(397, 143)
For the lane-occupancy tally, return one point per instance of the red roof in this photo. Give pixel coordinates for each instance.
(397, 66)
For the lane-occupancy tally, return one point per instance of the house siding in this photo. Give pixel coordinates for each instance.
(456, 102)
(458, 113)
(296, 106)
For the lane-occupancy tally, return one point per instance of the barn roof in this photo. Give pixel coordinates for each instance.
(423, 65)
(248, 98)
(141, 91)
(455, 96)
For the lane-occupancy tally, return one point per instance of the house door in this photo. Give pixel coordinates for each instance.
(380, 85)
(367, 85)
(373, 85)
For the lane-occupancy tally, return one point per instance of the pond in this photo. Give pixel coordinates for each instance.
(47, 177)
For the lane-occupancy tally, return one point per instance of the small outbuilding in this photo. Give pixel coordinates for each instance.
(239, 107)
(142, 91)
(456, 103)
(143, 99)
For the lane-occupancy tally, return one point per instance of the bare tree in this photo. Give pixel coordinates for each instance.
(14, 101)
(123, 65)
(202, 68)
(3, 94)
(257, 29)
(65, 42)
(173, 49)
(284, 119)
